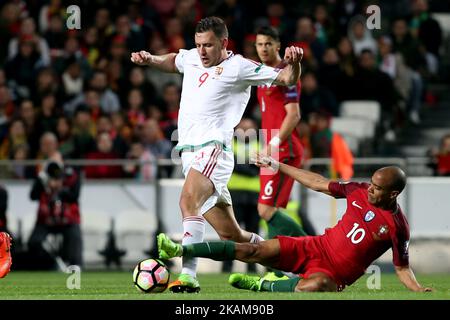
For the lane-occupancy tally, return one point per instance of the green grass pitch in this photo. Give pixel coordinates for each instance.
(118, 285)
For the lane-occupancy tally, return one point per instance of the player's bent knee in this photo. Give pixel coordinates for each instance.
(187, 203)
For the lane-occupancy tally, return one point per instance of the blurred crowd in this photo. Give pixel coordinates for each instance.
(74, 94)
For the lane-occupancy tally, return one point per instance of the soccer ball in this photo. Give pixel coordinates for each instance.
(151, 276)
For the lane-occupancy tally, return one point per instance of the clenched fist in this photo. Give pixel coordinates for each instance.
(293, 55)
(142, 58)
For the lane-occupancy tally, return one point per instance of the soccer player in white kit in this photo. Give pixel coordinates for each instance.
(215, 92)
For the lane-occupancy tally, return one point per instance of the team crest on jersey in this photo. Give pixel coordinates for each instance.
(383, 230)
(369, 216)
(218, 71)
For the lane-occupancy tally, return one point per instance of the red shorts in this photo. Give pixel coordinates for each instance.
(276, 188)
(302, 255)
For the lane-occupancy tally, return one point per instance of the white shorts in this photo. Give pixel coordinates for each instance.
(217, 165)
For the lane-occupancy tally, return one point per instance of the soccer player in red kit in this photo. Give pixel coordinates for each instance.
(280, 114)
(372, 224)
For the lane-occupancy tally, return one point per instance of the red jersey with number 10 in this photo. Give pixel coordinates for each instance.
(363, 234)
(272, 101)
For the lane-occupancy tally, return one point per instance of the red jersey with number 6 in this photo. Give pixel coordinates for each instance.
(272, 101)
(363, 234)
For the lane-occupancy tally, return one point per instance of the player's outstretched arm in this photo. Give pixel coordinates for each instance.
(406, 276)
(291, 72)
(307, 178)
(164, 63)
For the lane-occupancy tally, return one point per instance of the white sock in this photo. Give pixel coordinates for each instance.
(255, 238)
(193, 232)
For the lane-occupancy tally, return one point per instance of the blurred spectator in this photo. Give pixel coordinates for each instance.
(132, 34)
(49, 148)
(28, 115)
(135, 110)
(72, 79)
(16, 136)
(248, 48)
(46, 84)
(53, 9)
(234, 14)
(83, 132)
(407, 82)
(105, 125)
(90, 46)
(171, 98)
(55, 35)
(122, 131)
(19, 171)
(344, 11)
(331, 76)
(347, 63)
(440, 158)
(104, 27)
(70, 53)
(9, 27)
(23, 67)
(154, 141)
(158, 78)
(360, 36)
(324, 25)
(28, 33)
(174, 35)
(146, 169)
(115, 74)
(48, 114)
(320, 134)
(408, 46)
(305, 33)
(104, 151)
(428, 31)
(98, 97)
(373, 84)
(315, 98)
(109, 101)
(137, 80)
(66, 144)
(57, 190)
(6, 109)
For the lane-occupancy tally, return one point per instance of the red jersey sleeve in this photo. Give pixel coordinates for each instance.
(342, 189)
(400, 241)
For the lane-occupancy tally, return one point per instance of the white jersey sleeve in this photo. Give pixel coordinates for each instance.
(255, 73)
(180, 60)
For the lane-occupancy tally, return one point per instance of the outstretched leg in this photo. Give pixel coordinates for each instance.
(265, 252)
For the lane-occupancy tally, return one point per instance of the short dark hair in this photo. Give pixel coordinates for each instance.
(213, 24)
(270, 32)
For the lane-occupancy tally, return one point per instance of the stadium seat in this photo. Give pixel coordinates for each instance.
(365, 109)
(134, 230)
(357, 132)
(94, 226)
(349, 126)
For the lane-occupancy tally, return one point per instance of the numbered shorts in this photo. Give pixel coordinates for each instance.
(303, 255)
(217, 165)
(276, 187)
